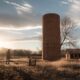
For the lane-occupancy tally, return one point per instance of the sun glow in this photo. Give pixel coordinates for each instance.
(4, 44)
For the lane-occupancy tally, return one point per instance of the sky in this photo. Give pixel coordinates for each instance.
(21, 21)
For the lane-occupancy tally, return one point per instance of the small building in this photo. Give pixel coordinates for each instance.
(72, 54)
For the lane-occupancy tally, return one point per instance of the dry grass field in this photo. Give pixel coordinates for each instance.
(18, 69)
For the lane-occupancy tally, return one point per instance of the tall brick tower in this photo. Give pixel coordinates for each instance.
(51, 37)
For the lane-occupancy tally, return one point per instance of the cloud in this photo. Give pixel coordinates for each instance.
(18, 21)
(31, 28)
(34, 33)
(30, 33)
(73, 10)
(70, 1)
(64, 2)
(28, 38)
(21, 8)
(17, 15)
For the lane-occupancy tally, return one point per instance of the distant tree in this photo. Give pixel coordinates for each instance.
(67, 25)
(40, 52)
(22, 53)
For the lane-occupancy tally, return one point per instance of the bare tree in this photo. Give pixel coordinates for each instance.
(67, 25)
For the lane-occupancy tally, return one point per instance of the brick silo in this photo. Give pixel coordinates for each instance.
(51, 37)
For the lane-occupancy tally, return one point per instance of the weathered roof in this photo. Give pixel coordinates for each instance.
(75, 51)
